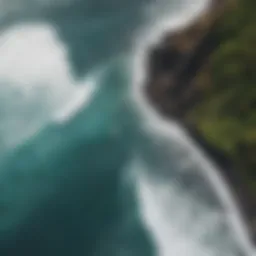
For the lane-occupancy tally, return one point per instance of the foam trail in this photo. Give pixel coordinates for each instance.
(183, 159)
(36, 82)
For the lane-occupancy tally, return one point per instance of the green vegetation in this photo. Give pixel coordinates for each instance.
(227, 114)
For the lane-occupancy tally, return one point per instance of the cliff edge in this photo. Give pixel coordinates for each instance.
(203, 76)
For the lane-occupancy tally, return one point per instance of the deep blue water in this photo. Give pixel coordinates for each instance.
(70, 186)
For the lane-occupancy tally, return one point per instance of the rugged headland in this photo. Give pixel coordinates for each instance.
(204, 76)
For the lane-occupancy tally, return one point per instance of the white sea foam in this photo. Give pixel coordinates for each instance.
(166, 225)
(36, 82)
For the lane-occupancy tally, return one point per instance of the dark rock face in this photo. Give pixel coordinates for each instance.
(174, 63)
(172, 68)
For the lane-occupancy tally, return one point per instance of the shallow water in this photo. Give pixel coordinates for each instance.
(84, 169)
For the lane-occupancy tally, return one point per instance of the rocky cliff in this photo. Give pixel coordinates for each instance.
(193, 79)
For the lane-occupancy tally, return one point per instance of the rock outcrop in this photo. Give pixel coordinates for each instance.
(174, 89)
(174, 64)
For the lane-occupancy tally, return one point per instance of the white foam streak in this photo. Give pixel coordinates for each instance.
(36, 82)
(82, 96)
(170, 239)
(167, 225)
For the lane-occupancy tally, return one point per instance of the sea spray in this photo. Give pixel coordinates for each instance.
(37, 83)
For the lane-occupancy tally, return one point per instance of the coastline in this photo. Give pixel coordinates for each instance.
(173, 68)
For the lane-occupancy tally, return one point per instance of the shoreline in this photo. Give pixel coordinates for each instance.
(172, 67)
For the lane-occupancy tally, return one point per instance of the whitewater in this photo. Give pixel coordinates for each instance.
(80, 173)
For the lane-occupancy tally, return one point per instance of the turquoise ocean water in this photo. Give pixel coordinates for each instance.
(82, 170)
